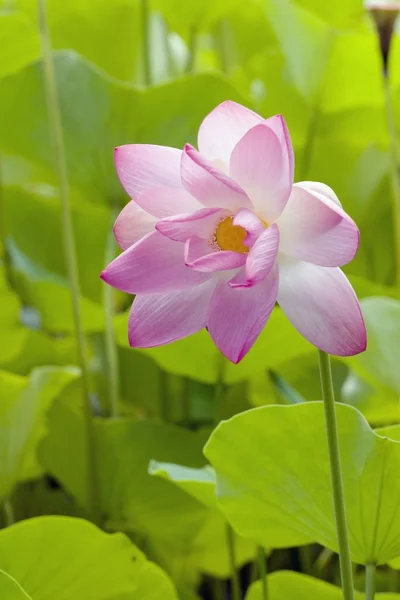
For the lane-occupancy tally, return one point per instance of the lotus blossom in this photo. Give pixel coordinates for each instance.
(215, 237)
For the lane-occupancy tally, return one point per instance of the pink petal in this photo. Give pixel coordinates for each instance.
(251, 223)
(208, 184)
(132, 224)
(201, 223)
(163, 318)
(260, 260)
(140, 166)
(320, 188)
(162, 201)
(153, 265)
(222, 129)
(201, 257)
(279, 127)
(237, 316)
(315, 229)
(260, 164)
(322, 305)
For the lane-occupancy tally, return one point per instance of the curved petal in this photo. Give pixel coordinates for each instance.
(201, 223)
(159, 319)
(153, 265)
(222, 129)
(237, 316)
(140, 166)
(162, 201)
(260, 260)
(259, 163)
(132, 224)
(278, 125)
(320, 188)
(201, 257)
(208, 184)
(315, 229)
(322, 305)
(251, 223)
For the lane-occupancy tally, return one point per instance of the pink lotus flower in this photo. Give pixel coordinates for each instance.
(213, 238)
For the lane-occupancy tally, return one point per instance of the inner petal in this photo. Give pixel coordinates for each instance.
(230, 237)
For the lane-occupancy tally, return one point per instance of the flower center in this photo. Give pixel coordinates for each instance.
(230, 237)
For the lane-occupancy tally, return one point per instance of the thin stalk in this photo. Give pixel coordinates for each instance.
(230, 539)
(146, 42)
(109, 335)
(53, 108)
(395, 174)
(336, 476)
(8, 512)
(172, 71)
(191, 61)
(370, 572)
(309, 143)
(262, 567)
(221, 45)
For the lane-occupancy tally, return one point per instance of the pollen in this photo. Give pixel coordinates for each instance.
(230, 237)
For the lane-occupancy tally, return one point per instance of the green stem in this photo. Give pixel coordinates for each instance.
(309, 143)
(53, 108)
(262, 567)
(370, 571)
(230, 538)
(395, 174)
(146, 48)
(221, 45)
(192, 51)
(336, 476)
(109, 335)
(8, 512)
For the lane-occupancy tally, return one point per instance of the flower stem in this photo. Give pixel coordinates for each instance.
(109, 336)
(51, 93)
(146, 48)
(230, 538)
(262, 567)
(191, 61)
(395, 174)
(336, 476)
(370, 571)
(8, 512)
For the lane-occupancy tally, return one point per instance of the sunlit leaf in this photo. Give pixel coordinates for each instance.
(287, 585)
(280, 494)
(10, 589)
(19, 42)
(78, 560)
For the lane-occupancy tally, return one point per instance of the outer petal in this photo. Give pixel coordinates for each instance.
(260, 164)
(201, 223)
(251, 223)
(279, 127)
(322, 305)
(260, 259)
(141, 166)
(162, 201)
(320, 188)
(222, 129)
(153, 265)
(315, 229)
(210, 185)
(237, 316)
(201, 257)
(163, 318)
(132, 224)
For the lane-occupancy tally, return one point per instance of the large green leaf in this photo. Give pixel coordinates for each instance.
(275, 488)
(287, 585)
(379, 364)
(200, 484)
(278, 343)
(92, 27)
(19, 42)
(71, 559)
(10, 589)
(22, 407)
